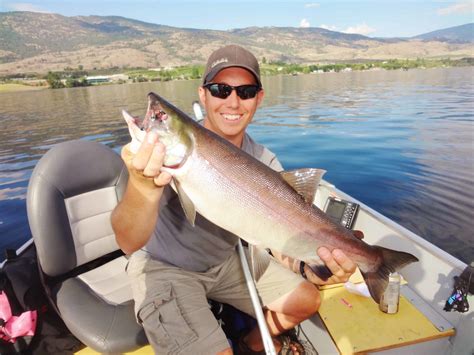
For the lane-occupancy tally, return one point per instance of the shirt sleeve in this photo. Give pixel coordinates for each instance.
(275, 164)
(262, 153)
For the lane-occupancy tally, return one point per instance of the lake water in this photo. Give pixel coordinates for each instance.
(400, 141)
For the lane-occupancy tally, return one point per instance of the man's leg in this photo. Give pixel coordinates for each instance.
(288, 298)
(285, 313)
(171, 305)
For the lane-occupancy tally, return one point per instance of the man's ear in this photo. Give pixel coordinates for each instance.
(260, 96)
(202, 96)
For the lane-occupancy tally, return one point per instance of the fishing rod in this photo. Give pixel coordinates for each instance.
(262, 324)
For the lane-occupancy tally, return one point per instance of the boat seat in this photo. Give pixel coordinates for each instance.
(71, 194)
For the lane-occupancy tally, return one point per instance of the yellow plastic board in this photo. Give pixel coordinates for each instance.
(146, 350)
(356, 324)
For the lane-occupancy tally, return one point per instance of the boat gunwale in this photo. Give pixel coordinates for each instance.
(404, 232)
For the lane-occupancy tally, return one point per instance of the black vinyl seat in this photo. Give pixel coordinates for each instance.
(72, 192)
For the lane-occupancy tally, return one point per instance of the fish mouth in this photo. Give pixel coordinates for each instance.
(154, 113)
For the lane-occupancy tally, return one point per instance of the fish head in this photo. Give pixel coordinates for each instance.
(155, 118)
(169, 126)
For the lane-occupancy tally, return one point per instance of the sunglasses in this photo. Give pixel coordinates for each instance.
(223, 91)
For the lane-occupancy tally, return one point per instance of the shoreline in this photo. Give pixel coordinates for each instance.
(18, 87)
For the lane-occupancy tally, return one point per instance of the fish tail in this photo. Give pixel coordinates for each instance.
(392, 260)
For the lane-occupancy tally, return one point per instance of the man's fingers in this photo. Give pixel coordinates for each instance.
(358, 234)
(140, 160)
(340, 265)
(148, 160)
(346, 264)
(155, 162)
(163, 179)
(126, 154)
(312, 277)
(328, 259)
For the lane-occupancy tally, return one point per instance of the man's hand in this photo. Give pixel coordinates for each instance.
(146, 164)
(341, 266)
(134, 218)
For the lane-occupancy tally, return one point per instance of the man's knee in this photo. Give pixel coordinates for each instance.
(308, 301)
(300, 304)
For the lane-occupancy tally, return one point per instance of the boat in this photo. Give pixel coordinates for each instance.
(429, 285)
(70, 198)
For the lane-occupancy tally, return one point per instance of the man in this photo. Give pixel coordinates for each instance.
(175, 267)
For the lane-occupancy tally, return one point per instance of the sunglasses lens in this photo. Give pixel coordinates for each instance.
(247, 91)
(223, 91)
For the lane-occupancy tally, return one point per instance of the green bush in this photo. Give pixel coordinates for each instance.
(54, 80)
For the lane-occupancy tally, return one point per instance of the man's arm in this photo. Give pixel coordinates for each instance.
(134, 218)
(341, 266)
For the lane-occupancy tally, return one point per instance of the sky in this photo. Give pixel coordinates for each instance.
(373, 18)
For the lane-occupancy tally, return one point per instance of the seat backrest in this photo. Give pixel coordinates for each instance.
(71, 194)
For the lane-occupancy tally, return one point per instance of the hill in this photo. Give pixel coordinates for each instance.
(458, 34)
(38, 42)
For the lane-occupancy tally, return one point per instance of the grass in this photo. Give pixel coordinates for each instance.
(11, 87)
(183, 72)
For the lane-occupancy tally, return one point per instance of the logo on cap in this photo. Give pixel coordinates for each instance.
(219, 61)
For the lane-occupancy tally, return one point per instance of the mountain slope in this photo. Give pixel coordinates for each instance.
(37, 42)
(458, 34)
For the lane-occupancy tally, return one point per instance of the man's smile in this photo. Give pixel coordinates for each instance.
(231, 117)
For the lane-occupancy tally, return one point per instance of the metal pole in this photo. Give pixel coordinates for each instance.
(262, 324)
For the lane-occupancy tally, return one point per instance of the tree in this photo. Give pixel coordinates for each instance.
(54, 80)
(73, 82)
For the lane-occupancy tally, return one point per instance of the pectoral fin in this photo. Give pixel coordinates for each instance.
(304, 181)
(186, 203)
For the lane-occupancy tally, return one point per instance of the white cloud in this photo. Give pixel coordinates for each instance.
(463, 7)
(312, 4)
(362, 29)
(304, 23)
(328, 27)
(24, 6)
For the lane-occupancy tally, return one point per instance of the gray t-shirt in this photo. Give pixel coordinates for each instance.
(175, 241)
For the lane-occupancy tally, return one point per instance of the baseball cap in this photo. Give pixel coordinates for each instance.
(231, 56)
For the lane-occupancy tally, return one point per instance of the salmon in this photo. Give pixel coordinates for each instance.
(240, 194)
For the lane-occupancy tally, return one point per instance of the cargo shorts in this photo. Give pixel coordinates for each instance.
(172, 303)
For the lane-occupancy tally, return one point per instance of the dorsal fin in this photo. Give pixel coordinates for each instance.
(304, 181)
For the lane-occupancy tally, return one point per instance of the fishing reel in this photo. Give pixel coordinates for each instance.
(463, 285)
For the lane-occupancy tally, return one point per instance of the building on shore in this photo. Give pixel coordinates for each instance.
(100, 79)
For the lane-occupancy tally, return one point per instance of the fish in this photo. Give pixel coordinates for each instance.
(240, 194)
